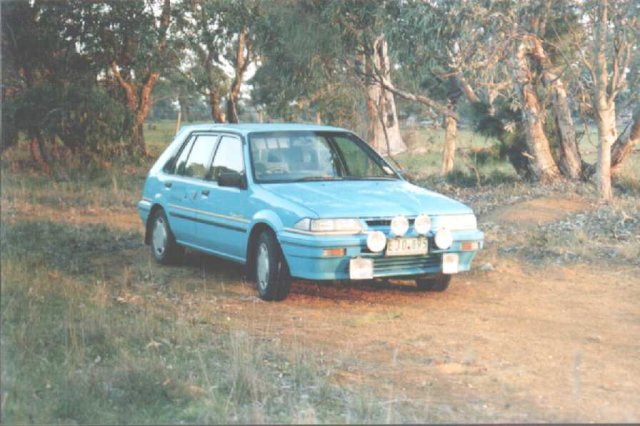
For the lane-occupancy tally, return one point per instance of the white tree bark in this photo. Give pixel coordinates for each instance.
(450, 126)
(542, 165)
(384, 128)
(626, 142)
(604, 105)
(570, 158)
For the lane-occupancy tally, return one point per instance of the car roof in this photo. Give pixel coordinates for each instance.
(246, 128)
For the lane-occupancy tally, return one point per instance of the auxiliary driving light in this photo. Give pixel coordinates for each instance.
(399, 226)
(376, 241)
(443, 239)
(422, 224)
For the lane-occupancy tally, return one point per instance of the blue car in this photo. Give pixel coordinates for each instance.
(301, 201)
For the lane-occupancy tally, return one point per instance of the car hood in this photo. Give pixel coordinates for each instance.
(366, 198)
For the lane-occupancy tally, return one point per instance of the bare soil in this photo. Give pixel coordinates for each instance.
(511, 342)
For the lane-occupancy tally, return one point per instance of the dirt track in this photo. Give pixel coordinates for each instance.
(507, 345)
(518, 343)
(515, 344)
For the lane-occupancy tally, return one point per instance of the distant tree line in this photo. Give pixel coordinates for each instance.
(84, 76)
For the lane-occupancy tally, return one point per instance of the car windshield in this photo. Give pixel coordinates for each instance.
(314, 156)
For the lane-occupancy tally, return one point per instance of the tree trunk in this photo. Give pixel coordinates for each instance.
(178, 121)
(243, 54)
(570, 158)
(214, 102)
(39, 153)
(35, 151)
(624, 145)
(605, 114)
(466, 88)
(542, 164)
(450, 126)
(318, 117)
(184, 109)
(384, 128)
(138, 104)
(137, 147)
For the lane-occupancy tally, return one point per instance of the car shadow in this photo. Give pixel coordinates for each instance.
(336, 289)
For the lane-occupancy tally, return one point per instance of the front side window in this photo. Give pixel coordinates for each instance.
(228, 157)
(306, 156)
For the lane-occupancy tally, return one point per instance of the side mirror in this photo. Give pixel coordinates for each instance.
(233, 179)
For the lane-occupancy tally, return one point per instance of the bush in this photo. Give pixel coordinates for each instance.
(85, 118)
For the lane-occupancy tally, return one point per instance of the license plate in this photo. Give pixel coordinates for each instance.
(360, 269)
(407, 246)
(450, 263)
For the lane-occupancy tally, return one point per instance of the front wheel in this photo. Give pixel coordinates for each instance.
(270, 269)
(438, 283)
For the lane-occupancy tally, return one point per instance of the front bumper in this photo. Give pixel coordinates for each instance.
(304, 255)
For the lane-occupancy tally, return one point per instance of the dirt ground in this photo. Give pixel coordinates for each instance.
(511, 341)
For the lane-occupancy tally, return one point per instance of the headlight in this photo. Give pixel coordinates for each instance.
(376, 241)
(422, 224)
(455, 222)
(443, 239)
(399, 226)
(337, 226)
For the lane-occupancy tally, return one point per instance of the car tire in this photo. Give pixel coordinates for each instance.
(163, 244)
(270, 269)
(437, 283)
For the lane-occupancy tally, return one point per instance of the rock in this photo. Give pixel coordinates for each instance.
(486, 267)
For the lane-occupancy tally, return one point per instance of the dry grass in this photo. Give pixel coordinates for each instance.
(94, 332)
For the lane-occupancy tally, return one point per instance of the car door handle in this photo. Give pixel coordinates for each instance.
(168, 184)
(205, 192)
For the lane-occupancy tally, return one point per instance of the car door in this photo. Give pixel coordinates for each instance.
(191, 168)
(222, 226)
(175, 192)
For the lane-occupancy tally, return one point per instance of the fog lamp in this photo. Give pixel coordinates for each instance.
(422, 224)
(399, 226)
(376, 241)
(443, 239)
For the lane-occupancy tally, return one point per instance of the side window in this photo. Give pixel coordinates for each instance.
(200, 157)
(359, 163)
(181, 160)
(170, 166)
(228, 157)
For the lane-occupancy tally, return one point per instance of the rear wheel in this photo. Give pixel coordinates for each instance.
(164, 248)
(270, 269)
(438, 282)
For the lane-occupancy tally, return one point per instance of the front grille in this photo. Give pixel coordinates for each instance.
(391, 264)
(378, 223)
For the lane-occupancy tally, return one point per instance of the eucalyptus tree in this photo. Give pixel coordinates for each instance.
(50, 86)
(218, 37)
(322, 54)
(361, 26)
(437, 48)
(131, 41)
(611, 31)
(301, 70)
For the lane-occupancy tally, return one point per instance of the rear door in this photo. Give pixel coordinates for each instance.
(190, 169)
(175, 192)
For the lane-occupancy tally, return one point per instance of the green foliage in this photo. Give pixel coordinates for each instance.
(84, 117)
